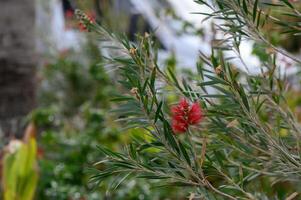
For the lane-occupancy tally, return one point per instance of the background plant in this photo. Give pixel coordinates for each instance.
(74, 119)
(19, 168)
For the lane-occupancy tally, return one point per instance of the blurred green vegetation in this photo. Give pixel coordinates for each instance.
(73, 118)
(20, 170)
(74, 99)
(279, 35)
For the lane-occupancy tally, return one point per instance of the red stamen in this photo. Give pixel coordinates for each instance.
(185, 114)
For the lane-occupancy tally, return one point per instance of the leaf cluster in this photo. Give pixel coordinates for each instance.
(239, 149)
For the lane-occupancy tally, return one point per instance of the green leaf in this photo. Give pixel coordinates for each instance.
(122, 98)
(244, 97)
(177, 170)
(184, 153)
(216, 79)
(153, 78)
(258, 19)
(144, 86)
(121, 180)
(207, 83)
(150, 145)
(109, 152)
(123, 164)
(255, 10)
(288, 3)
(170, 137)
(132, 152)
(245, 7)
(158, 111)
(151, 176)
(175, 80)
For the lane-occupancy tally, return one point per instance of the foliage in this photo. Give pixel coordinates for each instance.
(19, 171)
(73, 100)
(74, 118)
(248, 19)
(248, 146)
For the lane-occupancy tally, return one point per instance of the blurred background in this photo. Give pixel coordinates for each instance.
(52, 78)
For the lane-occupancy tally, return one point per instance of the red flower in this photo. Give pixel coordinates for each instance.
(91, 17)
(85, 21)
(82, 27)
(185, 114)
(69, 14)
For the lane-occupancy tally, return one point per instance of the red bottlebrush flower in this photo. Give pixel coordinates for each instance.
(69, 14)
(85, 21)
(91, 16)
(185, 114)
(82, 27)
(195, 114)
